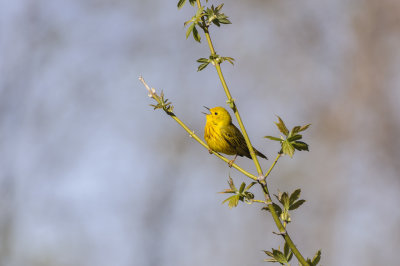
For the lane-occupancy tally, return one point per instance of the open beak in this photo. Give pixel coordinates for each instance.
(207, 109)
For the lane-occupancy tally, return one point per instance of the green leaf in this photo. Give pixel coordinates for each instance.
(273, 138)
(192, 2)
(270, 260)
(196, 35)
(214, 16)
(278, 209)
(279, 196)
(269, 253)
(199, 13)
(296, 205)
(284, 200)
(295, 130)
(304, 127)
(316, 258)
(290, 256)
(300, 146)
(224, 21)
(216, 22)
(250, 185)
(203, 60)
(227, 191)
(278, 255)
(227, 199)
(282, 127)
(202, 66)
(155, 106)
(181, 3)
(189, 30)
(231, 184)
(294, 196)
(229, 59)
(234, 201)
(287, 148)
(286, 250)
(242, 186)
(294, 137)
(218, 8)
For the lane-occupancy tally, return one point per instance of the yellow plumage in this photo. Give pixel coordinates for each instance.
(223, 136)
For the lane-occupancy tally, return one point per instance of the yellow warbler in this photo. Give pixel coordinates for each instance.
(223, 136)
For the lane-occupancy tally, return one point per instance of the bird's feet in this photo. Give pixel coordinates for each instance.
(210, 151)
(230, 163)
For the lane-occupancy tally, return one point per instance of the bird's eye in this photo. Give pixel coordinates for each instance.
(216, 113)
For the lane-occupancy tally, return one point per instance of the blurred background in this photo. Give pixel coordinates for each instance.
(91, 175)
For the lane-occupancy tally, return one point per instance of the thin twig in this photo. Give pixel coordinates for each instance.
(273, 165)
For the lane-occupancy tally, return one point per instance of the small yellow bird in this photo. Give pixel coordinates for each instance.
(223, 136)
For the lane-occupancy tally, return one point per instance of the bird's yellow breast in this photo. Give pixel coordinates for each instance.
(215, 139)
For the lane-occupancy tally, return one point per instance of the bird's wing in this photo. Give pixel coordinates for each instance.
(234, 137)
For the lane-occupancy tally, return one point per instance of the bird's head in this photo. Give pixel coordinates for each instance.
(218, 116)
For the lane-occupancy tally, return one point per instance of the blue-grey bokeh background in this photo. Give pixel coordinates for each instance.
(91, 175)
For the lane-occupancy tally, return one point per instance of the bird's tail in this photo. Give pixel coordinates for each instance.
(260, 154)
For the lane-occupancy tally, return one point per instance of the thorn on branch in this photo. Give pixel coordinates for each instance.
(280, 233)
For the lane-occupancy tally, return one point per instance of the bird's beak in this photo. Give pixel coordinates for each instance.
(207, 109)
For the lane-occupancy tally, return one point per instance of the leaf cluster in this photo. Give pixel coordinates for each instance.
(163, 103)
(292, 141)
(241, 194)
(214, 16)
(213, 59)
(195, 20)
(278, 256)
(288, 203)
(284, 257)
(203, 19)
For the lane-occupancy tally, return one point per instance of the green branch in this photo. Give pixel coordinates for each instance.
(231, 101)
(261, 178)
(282, 231)
(273, 165)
